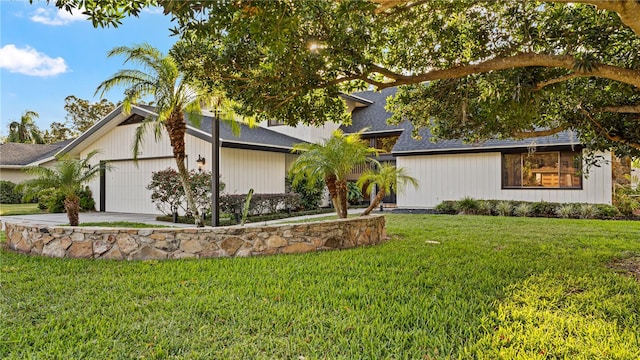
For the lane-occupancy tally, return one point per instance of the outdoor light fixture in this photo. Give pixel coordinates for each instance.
(201, 161)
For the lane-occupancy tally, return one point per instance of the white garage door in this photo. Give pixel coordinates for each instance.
(126, 185)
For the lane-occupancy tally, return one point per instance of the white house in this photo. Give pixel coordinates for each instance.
(538, 169)
(14, 157)
(257, 159)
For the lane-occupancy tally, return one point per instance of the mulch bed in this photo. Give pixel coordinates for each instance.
(629, 266)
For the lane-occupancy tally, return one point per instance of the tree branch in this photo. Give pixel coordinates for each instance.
(623, 109)
(627, 10)
(605, 133)
(560, 79)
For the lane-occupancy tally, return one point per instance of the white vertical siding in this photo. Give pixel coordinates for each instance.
(126, 183)
(452, 177)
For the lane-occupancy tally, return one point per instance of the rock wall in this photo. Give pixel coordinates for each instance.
(176, 243)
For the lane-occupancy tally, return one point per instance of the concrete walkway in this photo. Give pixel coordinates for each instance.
(85, 217)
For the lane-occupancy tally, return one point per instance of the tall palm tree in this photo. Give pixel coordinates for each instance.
(386, 178)
(332, 161)
(173, 95)
(25, 130)
(68, 175)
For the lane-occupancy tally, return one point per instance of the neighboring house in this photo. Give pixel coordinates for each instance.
(14, 157)
(537, 169)
(258, 158)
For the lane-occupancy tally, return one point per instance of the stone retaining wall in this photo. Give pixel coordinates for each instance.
(176, 243)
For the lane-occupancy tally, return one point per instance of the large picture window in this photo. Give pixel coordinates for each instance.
(559, 169)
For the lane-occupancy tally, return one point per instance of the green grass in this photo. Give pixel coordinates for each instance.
(495, 287)
(19, 209)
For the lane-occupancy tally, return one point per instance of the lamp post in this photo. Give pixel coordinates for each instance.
(215, 170)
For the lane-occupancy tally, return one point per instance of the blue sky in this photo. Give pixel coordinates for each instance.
(47, 55)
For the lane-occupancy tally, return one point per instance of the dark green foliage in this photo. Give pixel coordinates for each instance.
(260, 203)
(310, 193)
(468, 206)
(167, 192)
(544, 209)
(448, 207)
(52, 200)
(354, 194)
(87, 203)
(9, 194)
(607, 211)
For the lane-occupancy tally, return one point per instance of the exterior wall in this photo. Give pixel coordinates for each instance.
(478, 175)
(18, 175)
(126, 183)
(176, 243)
(306, 133)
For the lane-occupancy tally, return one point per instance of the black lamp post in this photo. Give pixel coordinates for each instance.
(215, 170)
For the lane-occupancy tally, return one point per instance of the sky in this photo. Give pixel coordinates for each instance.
(47, 54)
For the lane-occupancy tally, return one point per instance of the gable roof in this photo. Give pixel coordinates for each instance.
(249, 138)
(374, 118)
(20, 155)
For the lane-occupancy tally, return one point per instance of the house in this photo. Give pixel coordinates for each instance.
(14, 157)
(258, 158)
(537, 169)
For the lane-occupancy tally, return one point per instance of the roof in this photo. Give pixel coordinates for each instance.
(374, 118)
(249, 138)
(16, 154)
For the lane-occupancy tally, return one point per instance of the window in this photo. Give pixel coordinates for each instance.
(386, 143)
(275, 123)
(542, 170)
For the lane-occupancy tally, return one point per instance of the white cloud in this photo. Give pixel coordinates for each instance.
(56, 17)
(30, 62)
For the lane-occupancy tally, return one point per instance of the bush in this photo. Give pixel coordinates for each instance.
(448, 207)
(587, 211)
(8, 193)
(543, 209)
(485, 207)
(504, 208)
(86, 200)
(309, 194)
(606, 211)
(354, 194)
(523, 210)
(467, 206)
(52, 200)
(168, 195)
(566, 211)
(260, 204)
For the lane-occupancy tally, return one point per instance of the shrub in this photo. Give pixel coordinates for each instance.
(52, 200)
(354, 193)
(543, 209)
(606, 211)
(260, 203)
(587, 211)
(566, 211)
(87, 203)
(522, 209)
(447, 207)
(8, 193)
(484, 207)
(504, 208)
(467, 205)
(309, 194)
(167, 192)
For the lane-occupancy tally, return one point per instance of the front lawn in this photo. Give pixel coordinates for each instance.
(19, 209)
(444, 287)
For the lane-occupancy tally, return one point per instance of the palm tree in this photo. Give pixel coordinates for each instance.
(25, 130)
(68, 176)
(173, 95)
(332, 161)
(386, 178)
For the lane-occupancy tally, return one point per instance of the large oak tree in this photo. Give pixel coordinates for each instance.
(468, 69)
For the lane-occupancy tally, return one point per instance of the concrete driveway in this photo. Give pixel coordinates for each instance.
(61, 219)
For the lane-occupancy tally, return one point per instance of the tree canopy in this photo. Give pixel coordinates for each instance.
(466, 69)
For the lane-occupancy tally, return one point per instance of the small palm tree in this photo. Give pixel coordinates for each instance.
(173, 95)
(68, 176)
(387, 178)
(25, 130)
(332, 161)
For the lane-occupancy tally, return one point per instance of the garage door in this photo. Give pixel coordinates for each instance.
(125, 185)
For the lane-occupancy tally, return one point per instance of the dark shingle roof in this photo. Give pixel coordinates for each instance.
(25, 154)
(257, 137)
(374, 117)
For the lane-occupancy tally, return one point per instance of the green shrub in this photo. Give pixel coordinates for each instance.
(566, 211)
(8, 193)
(522, 209)
(484, 207)
(354, 194)
(606, 211)
(309, 194)
(448, 207)
(86, 200)
(543, 209)
(504, 208)
(587, 211)
(260, 203)
(467, 205)
(52, 200)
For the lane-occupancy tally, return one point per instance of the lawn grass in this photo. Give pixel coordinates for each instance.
(494, 287)
(19, 209)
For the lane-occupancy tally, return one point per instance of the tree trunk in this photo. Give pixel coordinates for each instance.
(72, 207)
(341, 187)
(376, 201)
(176, 127)
(330, 180)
